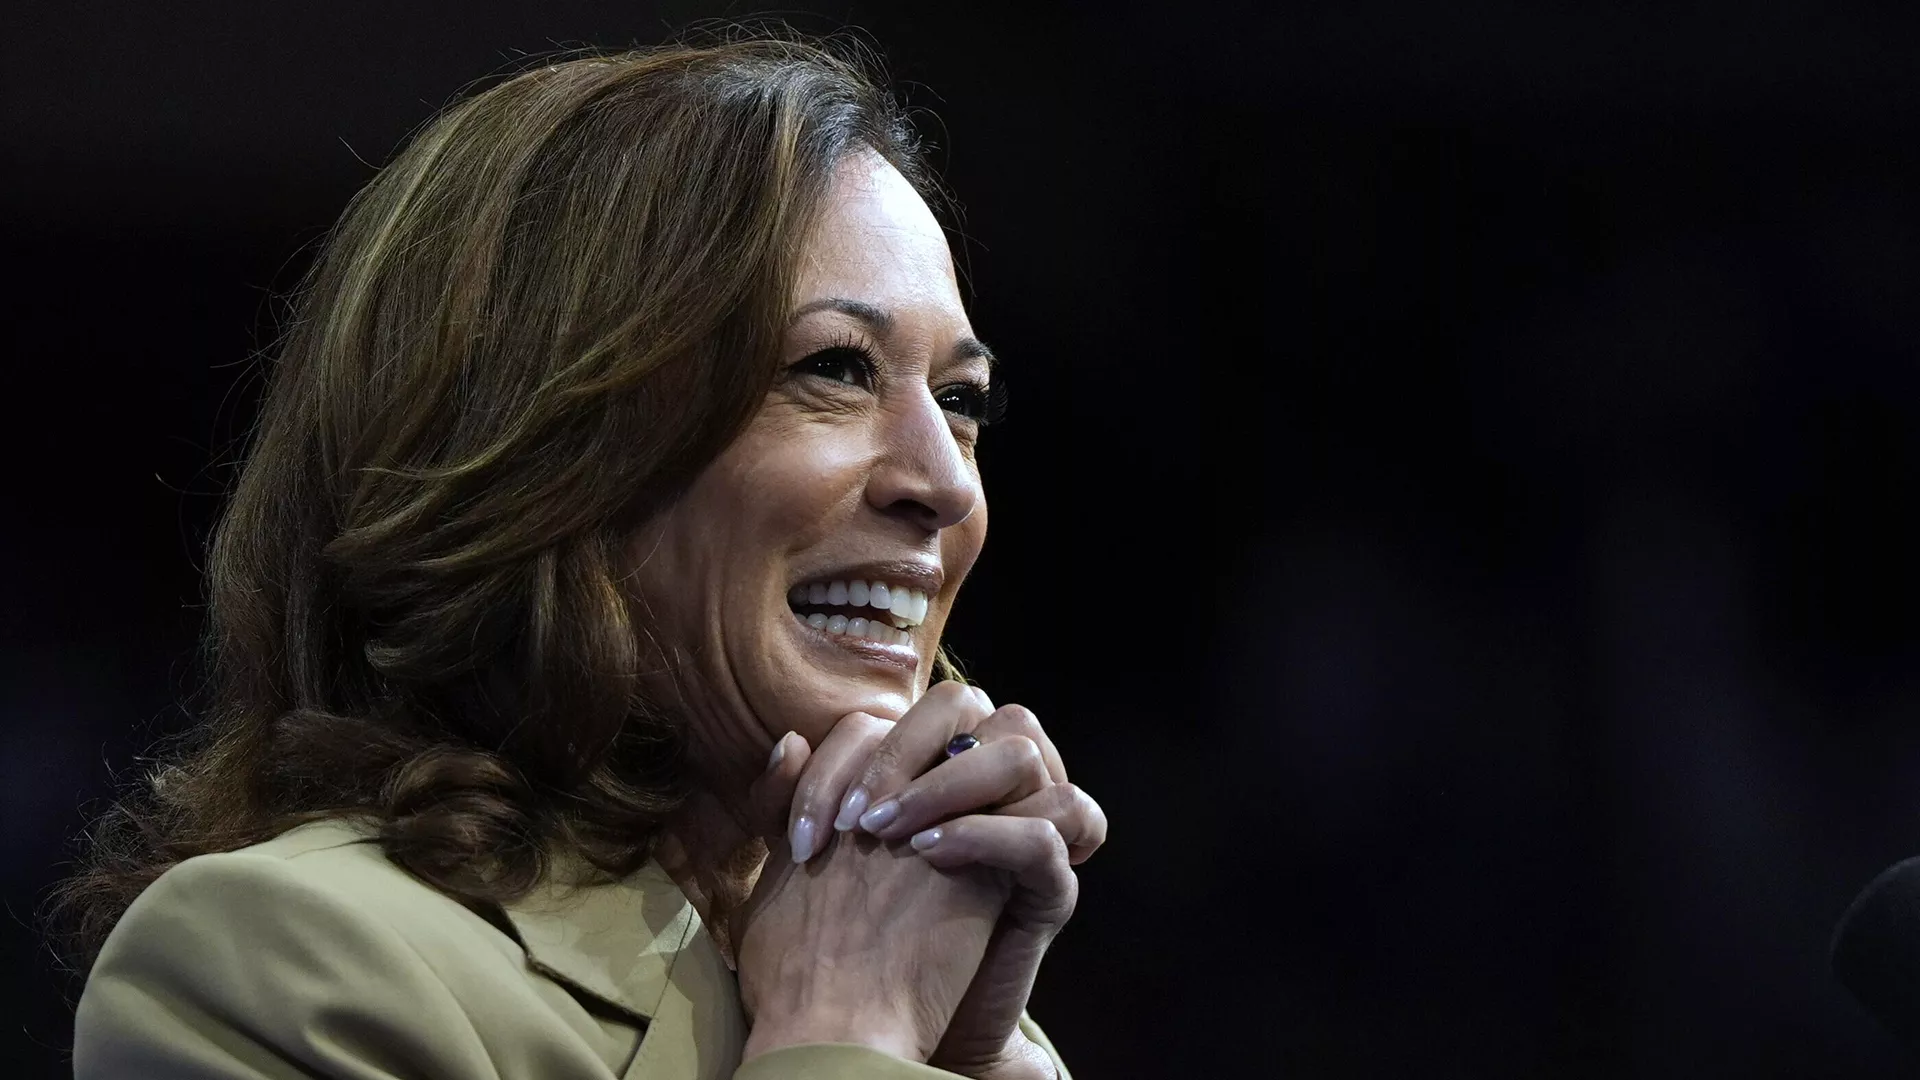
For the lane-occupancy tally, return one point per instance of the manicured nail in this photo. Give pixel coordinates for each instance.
(923, 840)
(779, 752)
(852, 808)
(880, 816)
(802, 839)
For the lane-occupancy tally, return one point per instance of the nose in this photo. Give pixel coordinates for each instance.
(922, 475)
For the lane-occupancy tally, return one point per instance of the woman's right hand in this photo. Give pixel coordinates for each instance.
(866, 942)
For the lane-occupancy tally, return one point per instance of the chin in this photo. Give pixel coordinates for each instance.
(843, 673)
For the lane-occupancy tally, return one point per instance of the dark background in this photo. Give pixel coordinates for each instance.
(1457, 513)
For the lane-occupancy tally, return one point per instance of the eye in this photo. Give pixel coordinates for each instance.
(966, 400)
(847, 364)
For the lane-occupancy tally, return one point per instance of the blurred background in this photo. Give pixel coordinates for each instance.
(1469, 452)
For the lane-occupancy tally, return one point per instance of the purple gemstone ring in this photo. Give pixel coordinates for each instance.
(961, 743)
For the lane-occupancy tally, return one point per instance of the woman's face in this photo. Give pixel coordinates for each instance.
(809, 570)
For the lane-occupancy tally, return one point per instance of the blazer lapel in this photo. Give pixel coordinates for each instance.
(638, 945)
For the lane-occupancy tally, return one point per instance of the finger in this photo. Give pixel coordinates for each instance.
(981, 693)
(1029, 847)
(771, 793)
(1019, 720)
(914, 744)
(1078, 819)
(833, 766)
(997, 773)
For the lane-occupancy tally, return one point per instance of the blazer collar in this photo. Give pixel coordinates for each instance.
(619, 942)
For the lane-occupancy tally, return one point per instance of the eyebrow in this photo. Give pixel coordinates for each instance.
(881, 322)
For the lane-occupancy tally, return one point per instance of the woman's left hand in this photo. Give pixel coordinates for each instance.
(1006, 804)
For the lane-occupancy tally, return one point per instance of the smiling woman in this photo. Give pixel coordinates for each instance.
(614, 485)
(857, 473)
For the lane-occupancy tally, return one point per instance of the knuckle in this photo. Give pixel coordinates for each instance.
(1080, 803)
(1097, 826)
(881, 761)
(908, 799)
(812, 792)
(1025, 754)
(1069, 896)
(1017, 718)
(1056, 844)
(950, 692)
(1043, 833)
(1049, 847)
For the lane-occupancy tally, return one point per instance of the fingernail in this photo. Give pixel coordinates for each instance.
(926, 839)
(880, 816)
(779, 752)
(852, 808)
(802, 839)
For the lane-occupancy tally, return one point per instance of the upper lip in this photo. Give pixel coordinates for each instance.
(913, 573)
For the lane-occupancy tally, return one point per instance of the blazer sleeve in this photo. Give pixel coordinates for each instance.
(832, 1061)
(230, 967)
(1032, 1031)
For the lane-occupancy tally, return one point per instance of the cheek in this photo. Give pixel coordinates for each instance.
(772, 493)
(960, 547)
(794, 484)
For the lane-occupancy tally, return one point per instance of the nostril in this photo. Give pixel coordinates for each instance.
(921, 514)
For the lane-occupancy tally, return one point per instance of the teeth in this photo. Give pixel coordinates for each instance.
(870, 629)
(903, 607)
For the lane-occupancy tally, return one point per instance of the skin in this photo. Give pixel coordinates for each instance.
(1006, 805)
(933, 916)
(827, 475)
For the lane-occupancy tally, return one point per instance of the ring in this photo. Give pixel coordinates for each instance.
(961, 743)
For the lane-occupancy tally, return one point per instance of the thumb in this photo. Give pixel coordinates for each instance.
(770, 796)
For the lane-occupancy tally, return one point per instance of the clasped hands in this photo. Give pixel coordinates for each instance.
(913, 895)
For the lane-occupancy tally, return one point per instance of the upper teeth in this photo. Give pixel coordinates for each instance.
(907, 606)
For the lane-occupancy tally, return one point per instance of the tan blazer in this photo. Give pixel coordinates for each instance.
(312, 955)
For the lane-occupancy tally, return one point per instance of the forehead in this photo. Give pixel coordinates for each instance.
(877, 241)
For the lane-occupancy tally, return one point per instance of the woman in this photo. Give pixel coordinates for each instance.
(613, 487)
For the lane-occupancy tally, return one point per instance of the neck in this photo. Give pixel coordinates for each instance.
(714, 860)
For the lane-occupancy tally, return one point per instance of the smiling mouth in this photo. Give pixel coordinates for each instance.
(874, 610)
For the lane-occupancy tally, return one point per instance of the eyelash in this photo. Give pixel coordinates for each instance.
(985, 405)
(844, 351)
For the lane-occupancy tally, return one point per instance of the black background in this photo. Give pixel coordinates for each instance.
(1457, 511)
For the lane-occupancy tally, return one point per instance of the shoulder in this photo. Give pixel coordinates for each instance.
(340, 866)
(300, 954)
(306, 888)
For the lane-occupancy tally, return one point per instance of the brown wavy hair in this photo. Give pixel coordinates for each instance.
(558, 303)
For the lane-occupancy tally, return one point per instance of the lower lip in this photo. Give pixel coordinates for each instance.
(898, 656)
